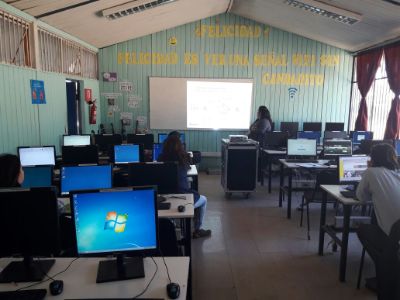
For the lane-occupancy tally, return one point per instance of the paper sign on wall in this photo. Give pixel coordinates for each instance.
(126, 118)
(110, 76)
(133, 103)
(126, 86)
(37, 92)
(142, 120)
(111, 95)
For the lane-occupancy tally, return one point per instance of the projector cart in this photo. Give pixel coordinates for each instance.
(239, 163)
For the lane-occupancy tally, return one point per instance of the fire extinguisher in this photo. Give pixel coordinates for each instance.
(92, 112)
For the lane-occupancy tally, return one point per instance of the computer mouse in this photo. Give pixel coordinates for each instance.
(181, 208)
(56, 287)
(173, 290)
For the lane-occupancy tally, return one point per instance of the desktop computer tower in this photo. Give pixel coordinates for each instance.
(239, 164)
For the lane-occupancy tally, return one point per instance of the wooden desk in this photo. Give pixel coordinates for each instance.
(289, 166)
(80, 279)
(334, 191)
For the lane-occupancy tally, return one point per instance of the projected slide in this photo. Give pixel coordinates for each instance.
(218, 105)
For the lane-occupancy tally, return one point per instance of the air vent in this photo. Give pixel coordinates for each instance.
(326, 10)
(126, 9)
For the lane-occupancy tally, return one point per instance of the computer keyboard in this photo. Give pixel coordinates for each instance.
(163, 206)
(348, 194)
(114, 299)
(36, 294)
(297, 160)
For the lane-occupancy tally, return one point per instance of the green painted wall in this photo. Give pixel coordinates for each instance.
(326, 100)
(25, 124)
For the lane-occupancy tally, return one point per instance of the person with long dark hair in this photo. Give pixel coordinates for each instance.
(173, 151)
(11, 173)
(261, 125)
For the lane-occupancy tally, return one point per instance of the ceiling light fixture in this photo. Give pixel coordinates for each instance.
(126, 9)
(326, 10)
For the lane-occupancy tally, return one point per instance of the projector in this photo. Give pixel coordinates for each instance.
(238, 138)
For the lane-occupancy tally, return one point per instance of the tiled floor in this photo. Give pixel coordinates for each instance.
(256, 253)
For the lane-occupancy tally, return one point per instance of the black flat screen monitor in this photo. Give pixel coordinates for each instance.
(162, 174)
(334, 126)
(75, 155)
(312, 126)
(157, 150)
(74, 178)
(37, 156)
(397, 147)
(350, 168)
(337, 147)
(163, 136)
(366, 145)
(128, 153)
(146, 139)
(119, 221)
(105, 142)
(38, 176)
(302, 148)
(276, 139)
(328, 135)
(28, 227)
(310, 135)
(290, 127)
(358, 136)
(76, 140)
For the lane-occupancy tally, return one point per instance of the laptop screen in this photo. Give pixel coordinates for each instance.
(302, 147)
(76, 140)
(351, 168)
(337, 147)
(37, 156)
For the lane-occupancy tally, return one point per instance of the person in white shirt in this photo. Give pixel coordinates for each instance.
(380, 184)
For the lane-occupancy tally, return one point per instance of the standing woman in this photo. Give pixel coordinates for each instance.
(173, 152)
(261, 125)
(11, 173)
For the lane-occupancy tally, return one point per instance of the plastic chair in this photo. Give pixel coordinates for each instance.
(383, 252)
(323, 177)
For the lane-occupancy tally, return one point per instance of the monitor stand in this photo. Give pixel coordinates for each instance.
(120, 269)
(26, 271)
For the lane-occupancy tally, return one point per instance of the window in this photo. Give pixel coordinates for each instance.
(379, 101)
(14, 40)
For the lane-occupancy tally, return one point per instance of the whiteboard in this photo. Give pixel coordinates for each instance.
(225, 98)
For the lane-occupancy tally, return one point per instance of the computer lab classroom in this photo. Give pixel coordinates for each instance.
(91, 94)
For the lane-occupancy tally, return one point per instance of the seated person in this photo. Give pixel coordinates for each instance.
(173, 151)
(11, 173)
(380, 184)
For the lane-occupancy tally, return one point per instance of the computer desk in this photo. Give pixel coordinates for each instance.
(268, 155)
(80, 279)
(348, 203)
(290, 167)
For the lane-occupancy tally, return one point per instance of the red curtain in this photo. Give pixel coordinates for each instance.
(392, 60)
(367, 64)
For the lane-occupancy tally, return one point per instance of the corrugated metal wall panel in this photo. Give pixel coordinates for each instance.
(328, 102)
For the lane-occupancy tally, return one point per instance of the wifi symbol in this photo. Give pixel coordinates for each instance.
(292, 92)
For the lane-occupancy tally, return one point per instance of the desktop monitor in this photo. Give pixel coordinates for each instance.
(312, 126)
(310, 135)
(162, 174)
(276, 139)
(37, 156)
(116, 221)
(290, 127)
(128, 153)
(350, 168)
(366, 145)
(76, 140)
(358, 136)
(301, 147)
(146, 139)
(38, 176)
(29, 227)
(333, 126)
(397, 146)
(337, 147)
(328, 135)
(75, 155)
(74, 178)
(157, 150)
(105, 142)
(163, 136)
